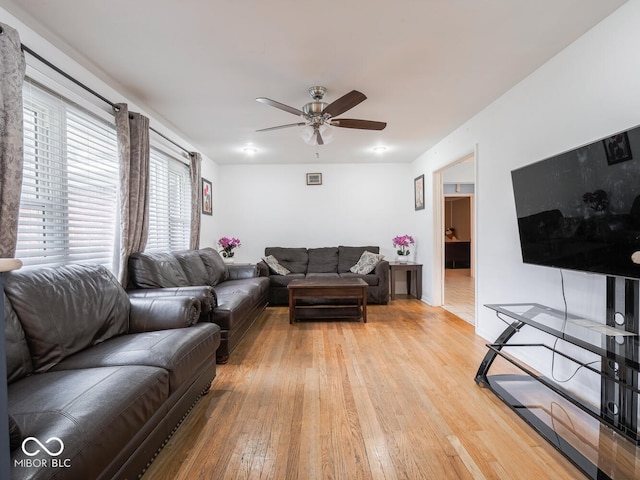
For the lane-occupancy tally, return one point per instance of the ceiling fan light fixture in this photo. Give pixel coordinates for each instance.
(308, 134)
(326, 132)
(250, 150)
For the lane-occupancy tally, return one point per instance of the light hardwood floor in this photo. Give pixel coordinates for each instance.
(390, 399)
(459, 293)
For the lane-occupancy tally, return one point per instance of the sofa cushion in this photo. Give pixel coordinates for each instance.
(193, 267)
(257, 288)
(18, 356)
(231, 310)
(372, 279)
(367, 263)
(323, 275)
(295, 260)
(95, 412)
(323, 260)
(155, 270)
(349, 256)
(180, 351)
(284, 280)
(217, 270)
(66, 309)
(274, 266)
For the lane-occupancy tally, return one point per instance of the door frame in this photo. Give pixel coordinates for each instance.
(438, 226)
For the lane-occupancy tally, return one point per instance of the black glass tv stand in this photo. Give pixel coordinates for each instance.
(600, 438)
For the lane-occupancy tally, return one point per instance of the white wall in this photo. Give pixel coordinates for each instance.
(588, 91)
(273, 206)
(463, 172)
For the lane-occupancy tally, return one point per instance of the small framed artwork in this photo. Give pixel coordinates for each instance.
(418, 191)
(207, 197)
(314, 179)
(617, 148)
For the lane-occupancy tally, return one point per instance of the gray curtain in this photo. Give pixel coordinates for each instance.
(12, 67)
(133, 150)
(196, 199)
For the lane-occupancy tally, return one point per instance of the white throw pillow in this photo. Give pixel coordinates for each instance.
(367, 263)
(274, 266)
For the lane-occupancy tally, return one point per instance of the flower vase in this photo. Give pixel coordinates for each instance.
(228, 258)
(402, 258)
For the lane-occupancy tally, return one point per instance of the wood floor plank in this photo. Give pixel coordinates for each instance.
(391, 399)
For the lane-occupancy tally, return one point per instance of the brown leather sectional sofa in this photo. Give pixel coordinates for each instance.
(97, 381)
(232, 296)
(326, 262)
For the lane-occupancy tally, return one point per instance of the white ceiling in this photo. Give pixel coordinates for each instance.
(197, 66)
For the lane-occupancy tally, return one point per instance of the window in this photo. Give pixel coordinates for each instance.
(69, 203)
(169, 203)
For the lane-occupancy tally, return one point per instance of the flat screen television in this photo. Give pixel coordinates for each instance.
(580, 210)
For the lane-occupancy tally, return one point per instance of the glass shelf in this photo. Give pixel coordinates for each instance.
(603, 340)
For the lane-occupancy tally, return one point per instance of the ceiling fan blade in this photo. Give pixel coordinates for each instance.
(281, 106)
(344, 103)
(299, 124)
(361, 124)
(319, 137)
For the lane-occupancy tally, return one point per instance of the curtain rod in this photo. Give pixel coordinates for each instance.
(91, 91)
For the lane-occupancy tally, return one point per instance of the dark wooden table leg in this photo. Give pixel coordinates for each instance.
(364, 304)
(291, 306)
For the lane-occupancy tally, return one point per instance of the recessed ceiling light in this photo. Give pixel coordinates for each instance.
(379, 149)
(250, 150)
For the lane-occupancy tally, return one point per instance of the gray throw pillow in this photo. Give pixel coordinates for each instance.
(274, 266)
(367, 263)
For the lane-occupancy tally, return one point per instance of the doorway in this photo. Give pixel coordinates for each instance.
(454, 232)
(459, 294)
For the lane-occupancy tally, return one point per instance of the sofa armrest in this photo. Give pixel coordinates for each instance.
(149, 314)
(263, 269)
(205, 294)
(382, 271)
(237, 272)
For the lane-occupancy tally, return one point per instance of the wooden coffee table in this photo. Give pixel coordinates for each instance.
(338, 290)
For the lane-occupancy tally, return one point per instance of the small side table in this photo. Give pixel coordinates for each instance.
(412, 269)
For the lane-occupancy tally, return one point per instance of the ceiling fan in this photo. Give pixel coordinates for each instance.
(319, 116)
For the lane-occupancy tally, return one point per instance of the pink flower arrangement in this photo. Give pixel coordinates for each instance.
(228, 244)
(402, 243)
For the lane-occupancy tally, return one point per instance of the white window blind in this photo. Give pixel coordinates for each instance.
(169, 203)
(70, 186)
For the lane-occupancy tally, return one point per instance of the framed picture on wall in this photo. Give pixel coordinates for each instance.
(314, 179)
(418, 190)
(617, 148)
(207, 197)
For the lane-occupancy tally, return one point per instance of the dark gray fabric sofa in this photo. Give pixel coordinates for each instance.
(232, 296)
(97, 381)
(323, 262)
